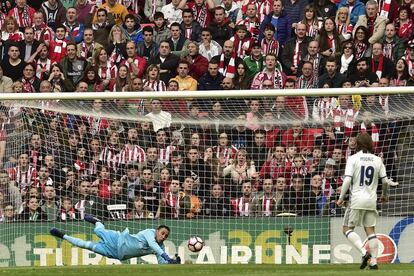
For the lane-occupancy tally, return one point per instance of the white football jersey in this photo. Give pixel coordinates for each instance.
(366, 170)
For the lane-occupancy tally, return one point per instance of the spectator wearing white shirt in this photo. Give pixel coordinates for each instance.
(208, 47)
(173, 11)
(159, 118)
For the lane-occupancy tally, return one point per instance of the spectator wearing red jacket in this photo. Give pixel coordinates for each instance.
(300, 137)
(135, 63)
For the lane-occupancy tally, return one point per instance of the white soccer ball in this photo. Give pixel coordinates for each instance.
(195, 244)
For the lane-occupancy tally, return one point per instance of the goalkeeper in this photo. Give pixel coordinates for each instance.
(123, 246)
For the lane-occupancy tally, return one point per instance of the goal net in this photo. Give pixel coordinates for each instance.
(255, 177)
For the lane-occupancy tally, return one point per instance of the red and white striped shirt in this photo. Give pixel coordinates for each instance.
(132, 153)
(110, 157)
(164, 154)
(242, 207)
(344, 118)
(228, 152)
(155, 85)
(24, 179)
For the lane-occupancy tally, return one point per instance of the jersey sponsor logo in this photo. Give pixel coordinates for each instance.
(387, 249)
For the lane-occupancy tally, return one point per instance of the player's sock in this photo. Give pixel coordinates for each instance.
(373, 248)
(80, 243)
(355, 240)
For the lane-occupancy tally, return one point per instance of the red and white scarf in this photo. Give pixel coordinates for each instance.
(164, 154)
(324, 108)
(360, 48)
(243, 207)
(312, 30)
(173, 201)
(344, 118)
(230, 70)
(252, 25)
(28, 85)
(241, 47)
(86, 51)
(67, 214)
(267, 206)
(344, 29)
(23, 18)
(42, 65)
(385, 9)
(227, 152)
(43, 32)
(200, 14)
(131, 5)
(296, 53)
(60, 45)
(2, 17)
(389, 50)
(107, 72)
(380, 67)
(331, 43)
(410, 64)
(276, 77)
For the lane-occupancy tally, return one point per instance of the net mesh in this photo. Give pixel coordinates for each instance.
(256, 179)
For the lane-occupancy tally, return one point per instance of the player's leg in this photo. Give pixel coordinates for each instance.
(352, 219)
(369, 223)
(93, 246)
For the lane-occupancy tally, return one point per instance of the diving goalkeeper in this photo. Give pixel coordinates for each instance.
(123, 246)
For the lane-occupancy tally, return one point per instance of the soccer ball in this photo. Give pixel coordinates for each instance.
(195, 244)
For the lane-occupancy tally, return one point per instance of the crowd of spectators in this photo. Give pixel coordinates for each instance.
(232, 157)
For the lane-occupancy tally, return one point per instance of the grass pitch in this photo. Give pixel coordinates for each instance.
(214, 270)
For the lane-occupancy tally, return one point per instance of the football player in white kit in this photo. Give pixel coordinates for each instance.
(362, 173)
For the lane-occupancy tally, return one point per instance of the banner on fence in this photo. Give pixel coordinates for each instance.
(226, 241)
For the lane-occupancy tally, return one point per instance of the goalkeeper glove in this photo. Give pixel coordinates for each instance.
(177, 260)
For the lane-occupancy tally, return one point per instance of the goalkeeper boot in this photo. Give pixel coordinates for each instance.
(365, 260)
(374, 267)
(91, 219)
(57, 233)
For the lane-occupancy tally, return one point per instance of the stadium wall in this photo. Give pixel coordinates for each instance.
(237, 241)
(313, 241)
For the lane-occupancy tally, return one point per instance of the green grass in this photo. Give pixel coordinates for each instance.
(214, 270)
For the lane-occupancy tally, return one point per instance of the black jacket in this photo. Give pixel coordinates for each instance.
(170, 63)
(22, 48)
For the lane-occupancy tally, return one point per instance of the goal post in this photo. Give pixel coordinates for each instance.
(254, 173)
